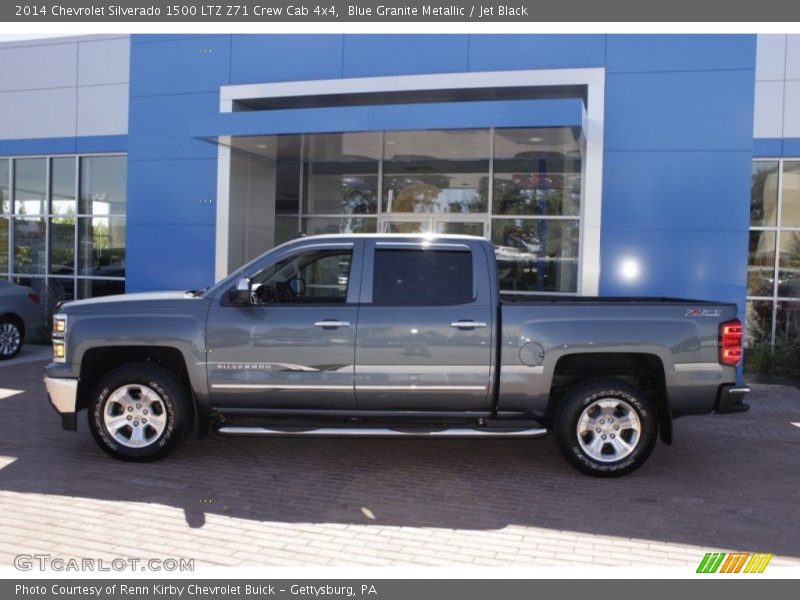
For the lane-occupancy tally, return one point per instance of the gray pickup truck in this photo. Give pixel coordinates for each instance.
(385, 335)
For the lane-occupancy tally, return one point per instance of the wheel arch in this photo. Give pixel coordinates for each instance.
(645, 371)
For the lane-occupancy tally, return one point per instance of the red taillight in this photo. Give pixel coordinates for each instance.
(730, 343)
(34, 298)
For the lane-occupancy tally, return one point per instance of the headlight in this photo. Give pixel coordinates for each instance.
(59, 351)
(59, 325)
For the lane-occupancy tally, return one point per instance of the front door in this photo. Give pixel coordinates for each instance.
(424, 327)
(293, 346)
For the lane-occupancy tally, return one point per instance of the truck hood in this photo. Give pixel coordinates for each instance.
(138, 301)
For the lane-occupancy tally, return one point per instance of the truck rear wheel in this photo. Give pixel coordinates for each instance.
(140, 412)
(606, 428)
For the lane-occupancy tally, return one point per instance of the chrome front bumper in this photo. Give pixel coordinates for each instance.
(63, 394)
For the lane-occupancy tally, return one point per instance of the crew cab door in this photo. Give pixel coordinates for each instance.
(292, 346)
(425, 327)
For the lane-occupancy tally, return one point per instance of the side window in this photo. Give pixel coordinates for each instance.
(318, 276)
(422, 277)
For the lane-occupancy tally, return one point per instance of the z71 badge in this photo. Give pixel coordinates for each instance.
(703, 312)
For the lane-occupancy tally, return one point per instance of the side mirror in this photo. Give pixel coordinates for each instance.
(240, 292)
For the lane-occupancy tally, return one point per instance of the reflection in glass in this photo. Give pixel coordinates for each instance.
(537, 254)
(401, 226)
(3, 245)
(758, 322)
(59, 289)
(789, 265)
(29, 245)
(5, 202)
(436, 187)
(761, 263)
(342, 188)
(286, 228)
(322, 225)
(787, 323)
(62, 245)
(460, 228)
(524, 188)
(426, 145)
(92, 288)
(30, 186)
(790, 197)
(102, 185)
(62, 186)
(101, 246)
(764, 194)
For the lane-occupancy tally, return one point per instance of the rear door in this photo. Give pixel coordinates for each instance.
(424, 335)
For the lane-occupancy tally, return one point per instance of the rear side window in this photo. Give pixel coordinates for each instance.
(422, 277)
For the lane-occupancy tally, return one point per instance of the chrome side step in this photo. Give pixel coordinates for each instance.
(460, 432)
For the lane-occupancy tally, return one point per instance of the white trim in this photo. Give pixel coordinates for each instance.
(592, 176)
(408, 83)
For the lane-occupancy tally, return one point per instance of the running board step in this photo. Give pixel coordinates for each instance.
(460, 432)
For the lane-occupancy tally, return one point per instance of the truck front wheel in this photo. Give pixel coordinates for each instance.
(605, 428)
(140, 412)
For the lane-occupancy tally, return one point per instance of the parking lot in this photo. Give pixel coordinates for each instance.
(728, 482)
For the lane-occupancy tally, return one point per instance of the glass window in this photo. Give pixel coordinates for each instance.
(787, 322)
(460, 228)
(322, 225)
(29, 245)
(101, 247)
(305, 278)
(789, 265)
(422, 277)
(62, 186)
(102, 185)
(62, 245)
(59, 289)
(436, 187)
(764, 194)
(758, 322)
(790, 195)
(3, 245)
(5, 205)
(404, 226)
(537, 254)
(91, 288)
(445, 144)
(761, 263)
(30, 186)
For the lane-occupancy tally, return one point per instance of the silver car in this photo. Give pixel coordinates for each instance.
(19, 313)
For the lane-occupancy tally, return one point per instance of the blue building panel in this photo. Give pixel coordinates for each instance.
(681, 191)
(271, 58)
(177, 257)
(180, 65)
(377, 55)
(651, 53)
(521, 52)
(178, 192)
(160, 126)
(690, 111)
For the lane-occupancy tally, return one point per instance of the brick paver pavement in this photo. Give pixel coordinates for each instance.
(728, 482)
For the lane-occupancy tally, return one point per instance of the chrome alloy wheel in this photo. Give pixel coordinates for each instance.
(10, 339)
(609, 430)
(135, 416)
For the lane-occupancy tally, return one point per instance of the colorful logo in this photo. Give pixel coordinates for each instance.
(734, 562)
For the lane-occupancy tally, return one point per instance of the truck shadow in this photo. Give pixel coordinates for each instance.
(729, 482)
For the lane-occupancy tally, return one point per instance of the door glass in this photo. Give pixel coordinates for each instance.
(460, 228)
(426, 277)
(312, 277)
(407, 226)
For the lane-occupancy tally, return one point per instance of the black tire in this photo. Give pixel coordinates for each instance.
(11, 326)
(172, 398)
(575, 447)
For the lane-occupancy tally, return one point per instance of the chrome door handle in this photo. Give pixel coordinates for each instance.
(332, 323)
(467, 324)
